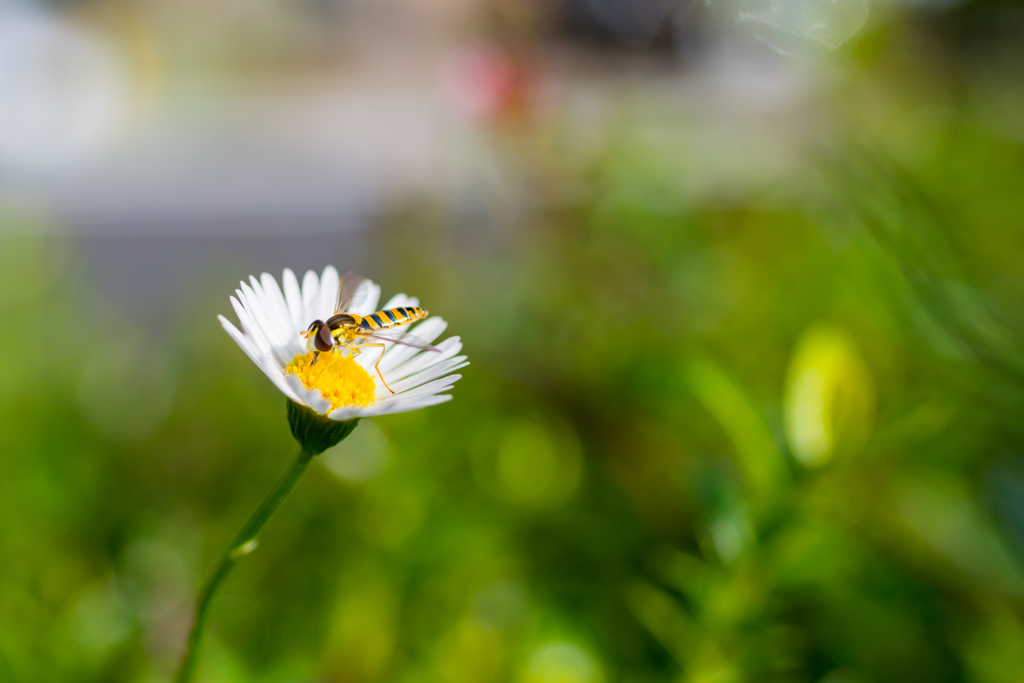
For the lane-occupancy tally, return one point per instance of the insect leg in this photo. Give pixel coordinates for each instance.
(377, 364)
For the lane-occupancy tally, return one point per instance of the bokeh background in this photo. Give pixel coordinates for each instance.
(742, 282)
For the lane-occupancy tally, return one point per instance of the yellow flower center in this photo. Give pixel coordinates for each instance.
(338, 377)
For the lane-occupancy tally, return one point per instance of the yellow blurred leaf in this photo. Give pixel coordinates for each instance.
(830, 395)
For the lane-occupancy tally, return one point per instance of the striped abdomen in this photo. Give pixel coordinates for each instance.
(392, 317)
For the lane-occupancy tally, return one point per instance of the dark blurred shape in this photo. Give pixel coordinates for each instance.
(634, 23)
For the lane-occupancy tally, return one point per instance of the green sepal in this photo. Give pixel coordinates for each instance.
(315, 432)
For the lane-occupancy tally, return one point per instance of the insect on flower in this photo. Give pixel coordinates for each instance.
(274, 319)
(350, 332)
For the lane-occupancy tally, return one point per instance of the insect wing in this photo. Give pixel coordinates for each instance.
(403, 338)
(347, 288)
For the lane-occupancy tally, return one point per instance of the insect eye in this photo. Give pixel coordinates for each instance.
(313, 325)
(323, 341)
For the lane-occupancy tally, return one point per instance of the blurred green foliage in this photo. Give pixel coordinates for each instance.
(766, 434)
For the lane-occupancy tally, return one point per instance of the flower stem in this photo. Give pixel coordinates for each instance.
(243, 544)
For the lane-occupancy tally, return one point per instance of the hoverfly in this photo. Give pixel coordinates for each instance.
(351, 332)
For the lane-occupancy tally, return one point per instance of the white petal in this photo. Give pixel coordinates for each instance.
(369, 301)
(429, 374)
(430, 329)
(396, 301)
(293, 296)
(406, 406)
(254, 307)
(347, 413)
(328, 293)
(399, 353)
(309, 397)
(387, 408)
(446, 349)
(396, 354)
(310, 297)
(271, 330)
(243, 342)
(418, 366)
(292, 342)
(252, 330)
(271, 370)
(401, 300)
(277, 302)
(435, 387)
(264, 363)
(277, 318)
(253, 303)
(367, 358)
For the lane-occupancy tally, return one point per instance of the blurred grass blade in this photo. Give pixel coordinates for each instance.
(760, 460)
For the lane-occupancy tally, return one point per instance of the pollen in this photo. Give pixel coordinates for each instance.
(338, 377)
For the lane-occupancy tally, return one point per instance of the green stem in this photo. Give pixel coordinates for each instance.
(244, 543)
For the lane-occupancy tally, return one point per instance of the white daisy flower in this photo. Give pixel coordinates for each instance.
(339, 384)
(321, 346)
